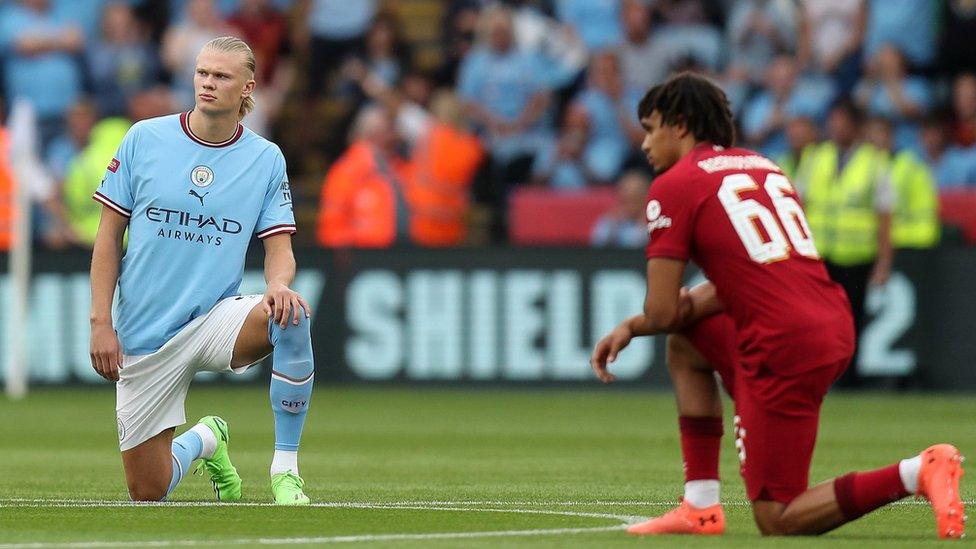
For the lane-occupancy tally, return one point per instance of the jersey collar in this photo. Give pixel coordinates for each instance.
(185, 124)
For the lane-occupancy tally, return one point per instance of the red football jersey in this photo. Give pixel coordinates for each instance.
(734, 213)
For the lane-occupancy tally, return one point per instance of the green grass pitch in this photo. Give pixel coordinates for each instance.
(411, 467)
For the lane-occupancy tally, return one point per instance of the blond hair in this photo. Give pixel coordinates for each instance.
(232, 44)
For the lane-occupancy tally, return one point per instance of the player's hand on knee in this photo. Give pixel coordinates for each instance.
(105, 351)
(282, 303)
(606, 351)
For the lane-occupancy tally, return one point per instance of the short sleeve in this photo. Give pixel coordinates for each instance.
(670, 214)
(115, 190)
(276, 216)
(884, 193)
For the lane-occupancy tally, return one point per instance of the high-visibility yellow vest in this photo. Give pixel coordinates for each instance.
(915, 218)
(85, 173)
(797, 167)
(840, 205)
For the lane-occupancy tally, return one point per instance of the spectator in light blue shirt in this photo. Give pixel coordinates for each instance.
(759, 30)
(385, 57)
(121, 62)
(505, 90)
(626, 225)
(80, 120)
(340, 19)
(596, 21)
(336, 29)
(641, 56)
(691, 45)
(183, 42)
(952, 165)
(614, 131)
(87, 14)
(764, 117)
(910, 25)
(560, 163)
(888, 91)
(38, 48)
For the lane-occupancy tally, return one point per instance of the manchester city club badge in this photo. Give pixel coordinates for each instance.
(202, 176)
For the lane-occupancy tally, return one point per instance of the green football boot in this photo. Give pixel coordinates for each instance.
(226, 482)
(287, 489)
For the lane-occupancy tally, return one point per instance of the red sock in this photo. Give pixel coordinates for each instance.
(701, 439)
(860, 493)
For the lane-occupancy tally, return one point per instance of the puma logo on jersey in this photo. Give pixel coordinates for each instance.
(199, 197)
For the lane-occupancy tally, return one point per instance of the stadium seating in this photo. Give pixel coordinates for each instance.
(544, 217)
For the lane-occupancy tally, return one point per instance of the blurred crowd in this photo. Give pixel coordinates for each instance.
(414, 121)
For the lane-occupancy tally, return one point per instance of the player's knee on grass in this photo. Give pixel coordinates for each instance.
(148, 489)
(770, 518)
(775, 519)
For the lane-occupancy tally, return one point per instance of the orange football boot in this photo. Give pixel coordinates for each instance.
(684, 519)
(938, 482)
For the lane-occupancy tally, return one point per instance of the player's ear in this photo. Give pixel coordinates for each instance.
(680, 127)
(248, 88)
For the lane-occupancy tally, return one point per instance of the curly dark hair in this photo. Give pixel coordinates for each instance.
(692, 99)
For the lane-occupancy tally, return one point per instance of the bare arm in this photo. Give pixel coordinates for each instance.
(662, 310)
(668, 307)
(885, 200)
(280, 301)
(886, 251)
(70, 40)
(373, 86)
(536, 107)
(478, 114)
(905, 105)
(105, 351)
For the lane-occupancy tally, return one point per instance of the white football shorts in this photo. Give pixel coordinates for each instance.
(152, 388)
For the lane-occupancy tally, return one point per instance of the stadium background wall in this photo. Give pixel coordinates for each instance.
(509, 316)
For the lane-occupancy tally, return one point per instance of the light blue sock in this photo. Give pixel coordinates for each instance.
(186, 448)
(292, 374)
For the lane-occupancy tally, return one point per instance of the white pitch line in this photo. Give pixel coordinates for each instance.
(623, 521)
(55, 502)
(409, 505)
(353, 505)
(315, 540)
(419, 504)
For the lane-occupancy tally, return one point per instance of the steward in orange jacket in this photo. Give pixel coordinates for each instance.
(364, 200)
(6, 194)
(445, 160)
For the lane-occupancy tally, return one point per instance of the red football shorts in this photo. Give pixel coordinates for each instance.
(776, 416)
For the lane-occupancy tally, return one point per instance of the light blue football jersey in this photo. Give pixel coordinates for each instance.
(193, 207)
